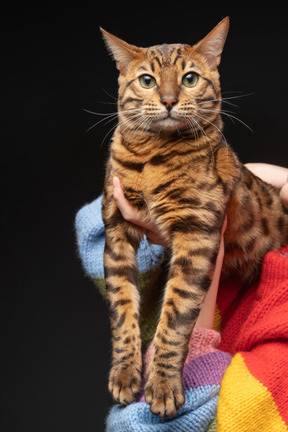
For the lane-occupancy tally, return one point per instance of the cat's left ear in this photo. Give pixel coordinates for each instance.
(122, 52)
(212, 45)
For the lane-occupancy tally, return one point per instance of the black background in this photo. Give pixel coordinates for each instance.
(55, 334)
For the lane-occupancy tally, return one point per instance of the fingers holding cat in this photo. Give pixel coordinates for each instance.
(273, 174)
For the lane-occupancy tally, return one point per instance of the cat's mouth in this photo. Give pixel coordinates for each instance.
(171, 123)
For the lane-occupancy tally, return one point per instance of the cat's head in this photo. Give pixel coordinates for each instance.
(169, 88)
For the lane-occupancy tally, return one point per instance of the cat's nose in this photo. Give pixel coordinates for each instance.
(169, 102)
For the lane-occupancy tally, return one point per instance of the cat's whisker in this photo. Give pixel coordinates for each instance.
(195, 127)
(192, 126)
(114, 127)
(110, 131)
(212, 124)
(203, 132)
(130, 116)
(110, 118)
(128, 111)
(236, 96)
(99, 114)
(228, 114)
(113, 97)
(146, 122)
(215, 101)
(140, 123)
(132, 123)
(225, 100)
(201, 129)
(135, 126)
(106, 103)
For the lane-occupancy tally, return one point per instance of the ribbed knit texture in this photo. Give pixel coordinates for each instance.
(253, 393)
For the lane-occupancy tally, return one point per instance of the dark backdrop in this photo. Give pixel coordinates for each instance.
(55, 334)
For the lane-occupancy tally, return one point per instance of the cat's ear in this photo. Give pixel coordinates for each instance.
(122, 52)
(212, 45)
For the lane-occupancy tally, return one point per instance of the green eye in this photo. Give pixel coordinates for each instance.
(147, 81)
(190, 79)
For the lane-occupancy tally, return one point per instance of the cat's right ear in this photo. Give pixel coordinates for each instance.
(122, 52)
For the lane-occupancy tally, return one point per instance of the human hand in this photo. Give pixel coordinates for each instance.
(273, 174)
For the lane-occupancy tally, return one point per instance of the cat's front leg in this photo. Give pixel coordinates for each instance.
(121, 276)
(192, 264)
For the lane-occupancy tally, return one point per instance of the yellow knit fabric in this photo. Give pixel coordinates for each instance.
(246, 405)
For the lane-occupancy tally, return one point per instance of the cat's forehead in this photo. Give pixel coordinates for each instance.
(166, 54)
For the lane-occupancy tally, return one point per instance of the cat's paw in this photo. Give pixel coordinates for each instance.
(164, 395)
(125, 383)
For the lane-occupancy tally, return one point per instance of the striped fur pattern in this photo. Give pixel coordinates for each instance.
(178, 171)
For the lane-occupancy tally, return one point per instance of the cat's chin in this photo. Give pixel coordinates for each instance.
(170, 125)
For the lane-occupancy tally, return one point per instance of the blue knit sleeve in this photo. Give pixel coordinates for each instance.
(90, 234)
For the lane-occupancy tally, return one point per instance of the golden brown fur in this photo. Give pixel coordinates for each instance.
(178, 171)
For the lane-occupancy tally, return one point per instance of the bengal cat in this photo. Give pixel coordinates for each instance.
(178, 171)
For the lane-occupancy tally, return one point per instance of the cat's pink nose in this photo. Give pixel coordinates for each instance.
(169, 102)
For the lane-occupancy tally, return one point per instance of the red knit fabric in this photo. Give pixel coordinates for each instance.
(255, 324)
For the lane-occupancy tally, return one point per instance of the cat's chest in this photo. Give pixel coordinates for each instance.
(140, 172)
(143, 170)
(142, 176)
(155, 184)
(141, 186)
(165, 173)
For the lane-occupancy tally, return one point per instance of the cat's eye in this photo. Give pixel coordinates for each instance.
(147, 81)
(190, 79)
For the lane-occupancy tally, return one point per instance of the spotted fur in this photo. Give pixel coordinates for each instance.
(178, 171)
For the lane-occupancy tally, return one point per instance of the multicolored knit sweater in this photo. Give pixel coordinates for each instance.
(236, 383)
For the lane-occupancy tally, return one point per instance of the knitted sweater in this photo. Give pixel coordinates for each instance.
(238, 382)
